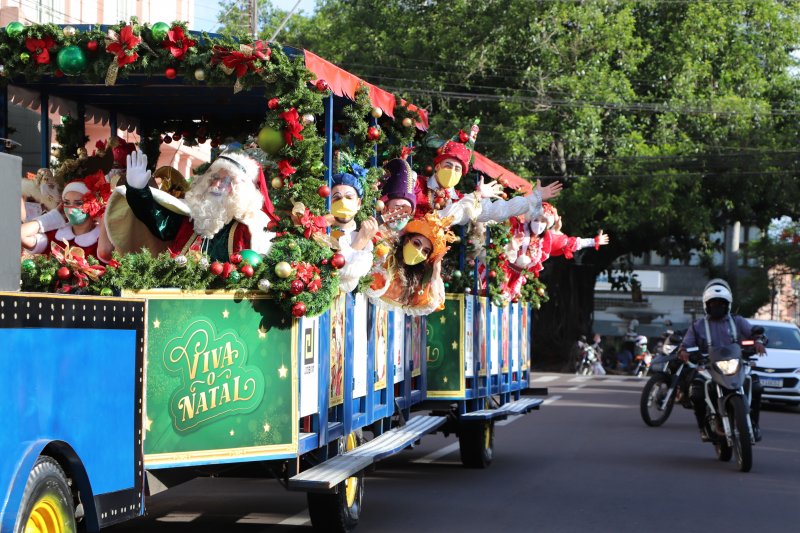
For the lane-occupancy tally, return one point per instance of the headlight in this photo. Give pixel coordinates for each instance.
(728, 367)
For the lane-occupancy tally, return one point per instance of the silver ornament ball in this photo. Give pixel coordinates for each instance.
(264, 285)
(69, 31)
(199, 74)
(181, 260)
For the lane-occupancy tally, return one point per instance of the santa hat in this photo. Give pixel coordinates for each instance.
(454, 150)
(74, 186)
(436, 230)
(550, 213)
(400, 181)
(245, 167)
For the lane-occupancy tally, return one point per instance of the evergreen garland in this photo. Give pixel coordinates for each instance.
(70, 138)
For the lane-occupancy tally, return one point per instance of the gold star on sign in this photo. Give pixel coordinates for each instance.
(232, 433)
(156, 324)
(266, 428)
(282, 371)
(225, 313)
(444, 379)
(262, 334)
(455, 345)
(147, 423)
(442, 319)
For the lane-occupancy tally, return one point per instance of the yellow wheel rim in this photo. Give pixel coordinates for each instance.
(45, 517)
(351, 483)
(487, 437)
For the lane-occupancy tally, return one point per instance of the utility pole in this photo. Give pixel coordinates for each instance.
(254, 18)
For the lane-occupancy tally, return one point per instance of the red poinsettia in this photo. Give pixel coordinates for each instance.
(123, 45)
(293, 126)
(285, 168)
(311, 223)
(40, 48)
(94, 201)
(309, 275)
(406, 151)
(177, 43)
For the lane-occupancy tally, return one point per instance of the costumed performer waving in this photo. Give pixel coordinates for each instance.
(227, 208)
(562, 244)
(410, 277)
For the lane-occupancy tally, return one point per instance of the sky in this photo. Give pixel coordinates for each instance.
(206, 11)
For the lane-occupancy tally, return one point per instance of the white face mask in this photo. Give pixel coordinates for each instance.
(538, 227)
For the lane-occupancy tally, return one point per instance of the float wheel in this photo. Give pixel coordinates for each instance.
(476, 444)
(47, 504)
(339, 511)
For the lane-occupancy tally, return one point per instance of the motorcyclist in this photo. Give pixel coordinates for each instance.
(717, 301)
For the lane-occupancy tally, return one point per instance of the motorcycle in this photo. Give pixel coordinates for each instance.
(585, 366)
(728, 393)
(669, 383)
(641, 364)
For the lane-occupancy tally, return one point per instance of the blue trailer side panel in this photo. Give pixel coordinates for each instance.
(72, 376)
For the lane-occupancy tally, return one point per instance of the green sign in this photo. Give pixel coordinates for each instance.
(221, 380)
(445, 350)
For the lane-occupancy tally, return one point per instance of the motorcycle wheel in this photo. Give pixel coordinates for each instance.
(742, 447)
(652, 396)
(724, 451)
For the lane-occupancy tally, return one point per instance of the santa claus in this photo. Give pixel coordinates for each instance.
(226, 208)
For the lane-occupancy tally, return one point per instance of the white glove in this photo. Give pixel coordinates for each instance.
(51, 220)
(137, 174)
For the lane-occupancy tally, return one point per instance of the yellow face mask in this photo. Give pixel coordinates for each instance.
(412, 255)
(447, 177)
(345, 208)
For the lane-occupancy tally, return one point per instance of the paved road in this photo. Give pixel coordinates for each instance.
(585, 462)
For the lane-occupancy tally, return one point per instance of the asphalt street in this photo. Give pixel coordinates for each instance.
(584, 462)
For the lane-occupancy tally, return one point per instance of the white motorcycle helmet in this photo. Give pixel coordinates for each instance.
(641, 340)
(717, 289)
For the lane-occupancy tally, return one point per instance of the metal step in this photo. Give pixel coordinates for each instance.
(517, 407)
(325, 476)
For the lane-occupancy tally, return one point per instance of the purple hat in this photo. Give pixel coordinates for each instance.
(399, 181)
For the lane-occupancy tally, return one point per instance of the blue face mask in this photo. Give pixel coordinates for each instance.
(75, 215)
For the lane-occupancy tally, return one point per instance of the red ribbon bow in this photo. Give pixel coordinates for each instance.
(123, 45)
(40, 48)
(95, 201)
(293, 126)
(177, 43)
(73, 257)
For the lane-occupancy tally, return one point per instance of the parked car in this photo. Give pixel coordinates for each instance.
(779, 370)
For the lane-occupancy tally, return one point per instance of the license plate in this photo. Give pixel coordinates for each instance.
(775, 383)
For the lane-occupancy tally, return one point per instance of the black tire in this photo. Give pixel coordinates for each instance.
(721, 447)
(742, 445)
(339, 512)
(652, 396)
(476, 444)
(47, 503)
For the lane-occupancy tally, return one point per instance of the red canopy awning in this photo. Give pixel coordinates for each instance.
(483, 164)
(343, 83)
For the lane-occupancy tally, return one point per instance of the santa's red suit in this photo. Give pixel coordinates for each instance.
(565, 245)
(86, 241)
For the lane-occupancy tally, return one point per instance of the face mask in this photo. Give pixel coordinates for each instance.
(447, 177)
(538, 227)
(344, 209)
(411, 254)
(398, 225)
(75, 216)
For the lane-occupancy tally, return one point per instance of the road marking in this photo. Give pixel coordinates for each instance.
(544, 379)
(431, 457)
(178, 517)
(299, 519)
(579, 379)
(577, 387)
(551, 399)
(568, 403)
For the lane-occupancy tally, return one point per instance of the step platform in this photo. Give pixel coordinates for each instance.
(326, 476)
(518, 407)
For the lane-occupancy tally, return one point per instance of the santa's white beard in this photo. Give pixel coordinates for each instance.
(210, 212)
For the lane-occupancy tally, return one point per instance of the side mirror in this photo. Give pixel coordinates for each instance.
(757, 330)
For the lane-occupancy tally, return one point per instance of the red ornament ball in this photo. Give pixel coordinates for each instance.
(492, 274)
(176, 136)
(515, 300)
(273, 103)
(59, 74)
(373, 133)
(502, 257)
(463, 137)
(324, 191)
(236, 258)
(428, 170)
(167, 139)
(247, 271)
(171, 73)
(272, 225)
(64, 273)
(321, 85)
(216, 268)
(297, 287)
(201, 140)
(92, 46)
(227, 269)
(324, 261)
(299, 309)
(337, 261)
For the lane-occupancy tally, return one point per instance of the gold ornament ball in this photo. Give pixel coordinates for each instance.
(407, 122)
(277, 183)
(69, 31)
(283, 270)
(376, 112)
(308, 118)
(380, 206)
(200, 74)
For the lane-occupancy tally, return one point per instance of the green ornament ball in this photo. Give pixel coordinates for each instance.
(251, 257)
(235, 276)
(159, 31)
(29, 265)
(71, 60)
(46, 279)
(504, 240)
(24, 57)
(457, 274)
(14, 29)
(106, 292)
(270, 140)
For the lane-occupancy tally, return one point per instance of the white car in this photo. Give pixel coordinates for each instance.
(779, 370)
